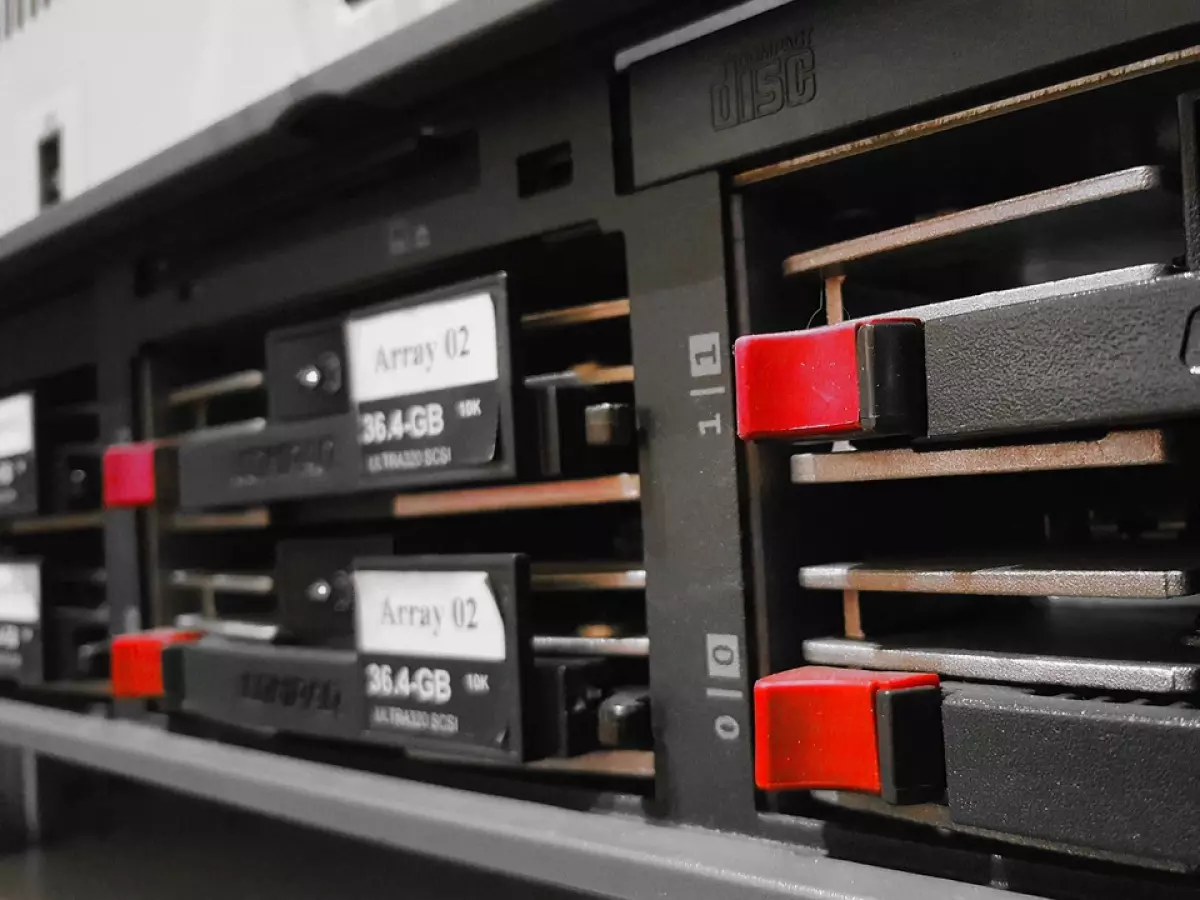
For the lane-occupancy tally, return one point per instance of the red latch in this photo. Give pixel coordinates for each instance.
(860, 377)
(137, 660)
(129, 475)
(818, 728)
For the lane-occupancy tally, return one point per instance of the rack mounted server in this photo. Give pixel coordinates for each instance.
(727, 421)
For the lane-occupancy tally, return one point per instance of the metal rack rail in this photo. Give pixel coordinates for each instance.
(606, 854)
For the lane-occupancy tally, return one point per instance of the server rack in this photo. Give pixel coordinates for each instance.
(677, 147)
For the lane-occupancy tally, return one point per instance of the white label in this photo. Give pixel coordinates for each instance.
(20, 592)
(443, 344)
(440, 615)
(16, 425)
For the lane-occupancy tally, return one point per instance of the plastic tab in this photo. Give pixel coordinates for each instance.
(861, 377)
(819, 728)
(129, 476)
(797, 383)
(137, 661)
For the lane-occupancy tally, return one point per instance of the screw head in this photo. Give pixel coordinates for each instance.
(309, 377)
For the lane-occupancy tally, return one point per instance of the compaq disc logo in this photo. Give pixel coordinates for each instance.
(764, 79)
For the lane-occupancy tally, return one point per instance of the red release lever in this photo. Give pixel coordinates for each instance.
(797, 383)
(129, 475)
(137, 660)
(865, 376)
(815, 727)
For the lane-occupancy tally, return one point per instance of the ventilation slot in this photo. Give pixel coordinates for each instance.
(544, 170)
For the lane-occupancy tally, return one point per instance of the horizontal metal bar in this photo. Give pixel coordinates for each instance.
(214, 432)
(222, 582)
(572, 645)
(236, 383)
(980, 113)
(624, 488)
(57, 522)
(544, 577)
(1019, 578)
(81, 410)
(256, 517)
(582, 375)
(604, 854)
(76, 575)
(600, 763)
(100, 688)
(1136, 180)
(622, 763)
(1006, 665)
(260, 632)
(80, 615)
(692, 31)
(576, 315)
(1121, 448)
(938, 816)
(551, 645)
(1028, 293)
(587, 577)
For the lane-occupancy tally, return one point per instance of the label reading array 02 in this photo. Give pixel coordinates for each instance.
(425, 383)
(441, 651)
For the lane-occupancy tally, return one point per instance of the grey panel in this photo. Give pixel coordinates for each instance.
(259, 857)
(695, 602)
(615, 856)
(859, 61)
(439, 32)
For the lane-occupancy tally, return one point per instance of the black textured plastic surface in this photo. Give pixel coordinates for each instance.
(174, 686)
(308, 613)
(291, 689)
(1102, 358)
(1189, 158)
(891, 382)
(74, 477)
(908, 723)
(565, 695)
(806, 69)
(1122, 777)
(320, 348)
(284, 461)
